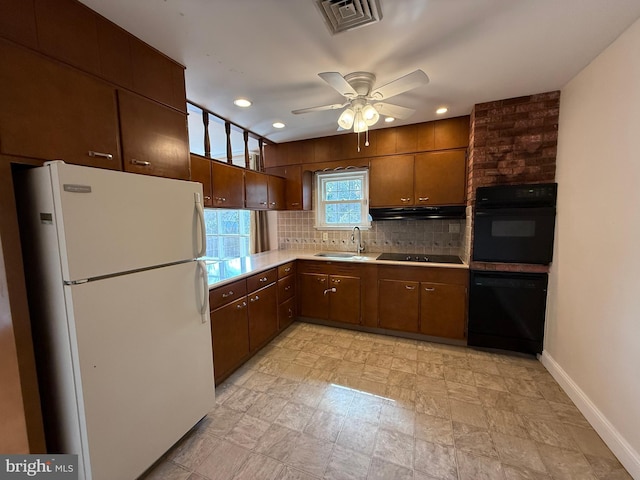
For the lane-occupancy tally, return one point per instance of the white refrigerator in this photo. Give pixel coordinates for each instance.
(120, 313)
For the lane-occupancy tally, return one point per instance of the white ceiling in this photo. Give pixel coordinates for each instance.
(271, 51)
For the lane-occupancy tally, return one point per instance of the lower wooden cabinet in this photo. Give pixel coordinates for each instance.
(263, 316)
(330, 291)
(443, 309)
(431, 301)
(286, 313)
(398, 305)
(230, 337)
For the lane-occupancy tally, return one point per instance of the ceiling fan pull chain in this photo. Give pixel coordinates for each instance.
(358, 141)
(366, 141)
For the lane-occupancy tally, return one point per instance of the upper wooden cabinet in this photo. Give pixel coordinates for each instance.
(391, 181)
(227, 183)
(201, 172)
(115, 53)
(18, 22)
(297, 186)
(434, 178)
(154, 138)
(51, 111)
(67, 30)
(256, 190)
(276, 193)
(440, 178)
(451, 133)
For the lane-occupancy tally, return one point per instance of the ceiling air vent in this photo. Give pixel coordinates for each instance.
(345, 15)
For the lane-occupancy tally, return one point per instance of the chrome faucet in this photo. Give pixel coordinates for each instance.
(359, 245)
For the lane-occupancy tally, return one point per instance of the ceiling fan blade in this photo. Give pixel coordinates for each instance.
(403, 84)
(321, 108)
(338, 82)
(395, 111)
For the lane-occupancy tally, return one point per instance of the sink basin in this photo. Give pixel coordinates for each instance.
(336, 254)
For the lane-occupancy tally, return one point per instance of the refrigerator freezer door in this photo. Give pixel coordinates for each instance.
(111, 222)
(143, 365)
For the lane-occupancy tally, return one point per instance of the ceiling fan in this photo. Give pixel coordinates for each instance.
(364, 104)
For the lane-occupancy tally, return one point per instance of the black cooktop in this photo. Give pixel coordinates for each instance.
(419, 257)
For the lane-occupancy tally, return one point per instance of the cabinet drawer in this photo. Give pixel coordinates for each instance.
(261, 279)
(286, 269)
(228, 293)
(286, 288)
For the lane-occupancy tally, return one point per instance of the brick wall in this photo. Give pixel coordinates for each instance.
(512, 141)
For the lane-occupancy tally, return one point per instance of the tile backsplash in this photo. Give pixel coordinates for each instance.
(296, 231)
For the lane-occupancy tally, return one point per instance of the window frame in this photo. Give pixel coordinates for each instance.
(320, 194)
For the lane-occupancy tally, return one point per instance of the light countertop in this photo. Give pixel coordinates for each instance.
(227, 271)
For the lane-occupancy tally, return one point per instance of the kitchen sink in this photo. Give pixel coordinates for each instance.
(336, 255)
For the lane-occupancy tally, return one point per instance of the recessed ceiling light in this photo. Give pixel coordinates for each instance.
(389, 119)
(242, 102)
(442, 110)
(279, 125)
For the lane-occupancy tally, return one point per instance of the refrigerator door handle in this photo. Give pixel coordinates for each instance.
(203, 228)
(204, 308)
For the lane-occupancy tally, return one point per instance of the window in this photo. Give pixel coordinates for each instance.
(228, 233)
(342, 199)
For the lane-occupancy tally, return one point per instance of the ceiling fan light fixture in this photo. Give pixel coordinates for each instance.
(346, 119)
(370, 115)
(359, 122)
(389, 119)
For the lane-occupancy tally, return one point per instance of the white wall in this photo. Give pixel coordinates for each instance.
(592, 343)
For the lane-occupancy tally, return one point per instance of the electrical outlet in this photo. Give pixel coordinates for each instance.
(325, 236)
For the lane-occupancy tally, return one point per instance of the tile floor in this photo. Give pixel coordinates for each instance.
(326, 403)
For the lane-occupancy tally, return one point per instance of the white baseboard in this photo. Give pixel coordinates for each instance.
(627, 455)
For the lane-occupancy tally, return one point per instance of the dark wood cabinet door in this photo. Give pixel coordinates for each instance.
(230, 334)
(156, 76)
(154, 138)
(344, 303)
(227, 185)
(18, 22)
(67, 30)
(451, 133)
(256, 189)
(391, 181)
(398, 305)
(115, 54)
(51, 111)
(201, 172)
(443, 310)
(297, 186)
(263, 316)
(286, 313)
(313, 300)
(286, 288)
(441, 178)
(276, 193)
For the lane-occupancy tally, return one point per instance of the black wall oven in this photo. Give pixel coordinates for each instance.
(515, 223)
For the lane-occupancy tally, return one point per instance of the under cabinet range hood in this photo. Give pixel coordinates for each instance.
(418, 213)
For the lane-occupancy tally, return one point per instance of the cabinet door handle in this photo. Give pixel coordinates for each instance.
(228, 294)
(295, 204)
(287, 270)
(423, 199)
(405, 200)
(207, 197)
(273, 203)
(290, 313)
(287, 288)
(427, 289)
(335, 280)
(241, 305)
(410, 287)
(321, 280)
(263, 203)
(330, 290)
(142, 163)
(108, 156)
(254, 299)
(263, 279)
